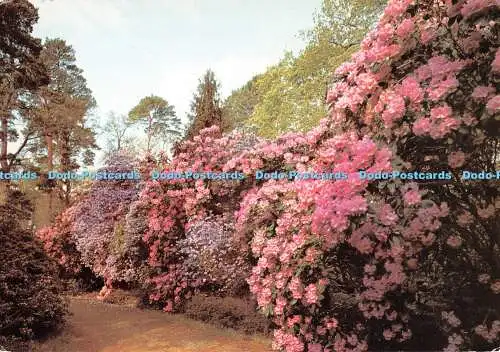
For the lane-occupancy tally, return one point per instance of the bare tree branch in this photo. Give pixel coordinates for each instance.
(21, 147)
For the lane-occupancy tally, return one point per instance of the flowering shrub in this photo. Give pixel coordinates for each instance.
(133, 249)
(99, 226)
(174, 205)
(340, 263)
(329, 252)
(212, 257)
(58, 243)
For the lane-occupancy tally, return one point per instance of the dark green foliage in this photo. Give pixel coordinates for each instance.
(18, 49)
(30, 305)
(206, 108)
(228, 312)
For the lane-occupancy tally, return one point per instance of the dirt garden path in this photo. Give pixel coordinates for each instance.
(102, 327)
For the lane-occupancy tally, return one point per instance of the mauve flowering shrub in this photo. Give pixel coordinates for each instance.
(133, 249)
(99, 226)
(59, 244)
(212, 256)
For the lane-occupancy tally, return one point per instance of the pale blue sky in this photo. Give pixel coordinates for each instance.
(132, 48)
(129, 49)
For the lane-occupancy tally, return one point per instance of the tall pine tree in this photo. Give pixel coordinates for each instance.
(20, 68)
(206, 108)
(60, 113)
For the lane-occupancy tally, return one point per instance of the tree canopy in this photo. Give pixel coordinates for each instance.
(206, 107)
(290, 96)
(20, 68)
(115, 131)
(158, 117)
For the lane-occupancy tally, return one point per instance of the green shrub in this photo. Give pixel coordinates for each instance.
(30, 305)
(229, 312)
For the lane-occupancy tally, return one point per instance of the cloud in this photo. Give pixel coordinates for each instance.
(235, 71)
(132, 48)
(81, 15)
(178, 83)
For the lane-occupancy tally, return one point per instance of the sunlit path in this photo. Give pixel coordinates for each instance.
(101, 327)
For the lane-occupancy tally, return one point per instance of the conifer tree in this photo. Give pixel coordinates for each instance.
(206, 108)
(59, 115)
(20, 68)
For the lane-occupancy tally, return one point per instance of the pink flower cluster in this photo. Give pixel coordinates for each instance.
(472, 6)
(289, 342)
(451, 319)
(59, 244)
(489, 334)
(438, 124)
(495, 65)
(456, 159)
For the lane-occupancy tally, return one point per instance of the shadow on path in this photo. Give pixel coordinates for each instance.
(101, 327)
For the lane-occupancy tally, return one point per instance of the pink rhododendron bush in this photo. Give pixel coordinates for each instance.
(356, 265)
(59, 244)
(334, 256)
(425, 83)
(183, 250)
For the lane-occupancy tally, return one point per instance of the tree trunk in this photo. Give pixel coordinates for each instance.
(66, 164)
(67, 194)
(4, 163)
(150, 123)
(5, 104)
(7, 98)
(49, 140)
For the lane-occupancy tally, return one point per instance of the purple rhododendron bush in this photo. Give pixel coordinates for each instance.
(345, 264)
(212, 256)
(98, 229)
(101, 232)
